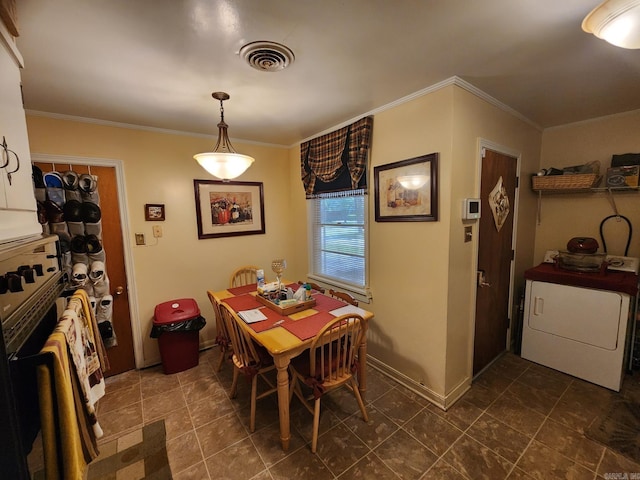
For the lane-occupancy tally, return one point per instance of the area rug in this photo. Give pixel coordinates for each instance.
(619, 428)
(146, 458)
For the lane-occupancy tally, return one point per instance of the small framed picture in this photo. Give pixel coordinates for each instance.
(154, 212)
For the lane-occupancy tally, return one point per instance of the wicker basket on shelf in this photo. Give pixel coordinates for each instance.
(565, 182)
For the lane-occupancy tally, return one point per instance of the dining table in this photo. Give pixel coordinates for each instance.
(287, 336)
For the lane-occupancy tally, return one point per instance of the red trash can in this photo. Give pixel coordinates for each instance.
(177, 325)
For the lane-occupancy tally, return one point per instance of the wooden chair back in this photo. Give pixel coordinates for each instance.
(223, 338)
(314, 286)
(250, 359)
(333, 351)
(344, 296)
(244, 276)
(331, 364)
(245, 354)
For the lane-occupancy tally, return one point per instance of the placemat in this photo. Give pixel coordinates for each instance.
(272, 318)
(308, 327)
(242, 302)
(243, 289)
(325, 303)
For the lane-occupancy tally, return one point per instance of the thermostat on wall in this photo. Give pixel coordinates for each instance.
(471, 209)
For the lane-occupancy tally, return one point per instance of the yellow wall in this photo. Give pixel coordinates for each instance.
(567, 216)
(409, 260)
(476, 119)
(422, 273)
(159, 168)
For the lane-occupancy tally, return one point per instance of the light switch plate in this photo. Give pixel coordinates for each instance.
(468, 233)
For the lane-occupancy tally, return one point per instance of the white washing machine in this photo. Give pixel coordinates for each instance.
(578, 323)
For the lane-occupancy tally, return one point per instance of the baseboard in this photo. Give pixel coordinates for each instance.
(443, 402)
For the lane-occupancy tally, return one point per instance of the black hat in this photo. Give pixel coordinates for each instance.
(90, 212)
(73, 211)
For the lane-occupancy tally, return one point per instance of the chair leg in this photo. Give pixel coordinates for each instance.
(254, 388)
(234, 384)
(316, 425)
(292, 384)
(356, 392)
(223, 354)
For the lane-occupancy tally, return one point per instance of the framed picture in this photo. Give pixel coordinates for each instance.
(407, 191)
(227, 209)
(154, 212)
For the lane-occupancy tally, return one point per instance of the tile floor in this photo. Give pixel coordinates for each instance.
(518, 421)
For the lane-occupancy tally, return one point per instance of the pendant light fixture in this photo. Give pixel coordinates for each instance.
(224, 162)
(616, 21)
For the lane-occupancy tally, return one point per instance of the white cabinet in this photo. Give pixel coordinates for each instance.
(576, 330)
(18, 217)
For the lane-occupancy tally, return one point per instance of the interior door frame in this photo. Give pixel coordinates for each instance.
(485, 144)
(124, 218)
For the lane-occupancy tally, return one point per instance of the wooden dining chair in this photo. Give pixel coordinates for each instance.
(314, 286)
(249, 358)
(223, 338)
(343, 296)
(243, 276)
(330, 363)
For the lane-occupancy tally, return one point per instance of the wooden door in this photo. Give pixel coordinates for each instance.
(498, 186)
(121, 356)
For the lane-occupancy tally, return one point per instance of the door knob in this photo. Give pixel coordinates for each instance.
(119, 290)
(482, 279)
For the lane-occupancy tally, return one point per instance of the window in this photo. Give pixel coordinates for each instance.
(338, 223)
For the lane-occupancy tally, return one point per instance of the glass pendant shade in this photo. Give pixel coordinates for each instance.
(223, 162)
(617, 22)
(226, 166)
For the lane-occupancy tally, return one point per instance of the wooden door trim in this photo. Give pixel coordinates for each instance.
(124, 218)
(485, 144)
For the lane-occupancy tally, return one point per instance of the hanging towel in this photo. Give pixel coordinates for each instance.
(70, 382)
(92, 322)
(66, 451)
(84, 346)
(87, 366)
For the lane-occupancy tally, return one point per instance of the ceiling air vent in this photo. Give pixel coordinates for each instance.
(267, 56)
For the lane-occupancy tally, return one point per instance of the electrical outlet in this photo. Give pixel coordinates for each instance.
(139, 238)
(157, 231)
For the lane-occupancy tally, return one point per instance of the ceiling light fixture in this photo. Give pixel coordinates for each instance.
(616, 21)
(224, 162)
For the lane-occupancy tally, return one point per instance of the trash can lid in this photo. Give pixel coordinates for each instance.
(176, 311)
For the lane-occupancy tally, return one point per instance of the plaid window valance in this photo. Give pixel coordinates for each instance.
(338, 160)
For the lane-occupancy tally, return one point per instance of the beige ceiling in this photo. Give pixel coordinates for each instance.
(155, 62)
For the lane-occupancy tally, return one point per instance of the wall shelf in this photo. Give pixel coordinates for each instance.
(609, 191)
